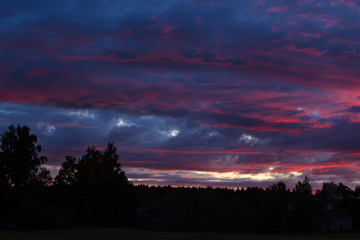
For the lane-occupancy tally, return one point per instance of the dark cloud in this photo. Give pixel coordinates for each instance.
(265, 90)
(354, 109)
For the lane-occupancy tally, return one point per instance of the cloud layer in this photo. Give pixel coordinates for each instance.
(229, 93)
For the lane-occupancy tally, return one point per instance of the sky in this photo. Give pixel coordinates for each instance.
(192, 92)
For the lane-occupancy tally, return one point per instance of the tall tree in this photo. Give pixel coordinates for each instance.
(19, 159)
(303, 187)
(94, 168)
(66, 175)
(278, 187)
(98, 186)
(97, 168)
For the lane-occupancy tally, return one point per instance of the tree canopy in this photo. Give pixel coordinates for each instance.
(304, 187)
(19, 157)
(93, 168)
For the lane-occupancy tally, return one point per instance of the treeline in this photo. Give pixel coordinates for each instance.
(94, 191)
(275, 209)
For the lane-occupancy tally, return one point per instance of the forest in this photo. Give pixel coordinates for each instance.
(93, 190)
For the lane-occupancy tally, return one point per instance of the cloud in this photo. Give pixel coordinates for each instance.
(354, 109)
(195, 86)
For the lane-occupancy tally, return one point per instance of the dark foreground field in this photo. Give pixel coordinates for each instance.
(115, 233)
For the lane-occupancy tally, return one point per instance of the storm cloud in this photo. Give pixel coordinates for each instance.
(230, 93)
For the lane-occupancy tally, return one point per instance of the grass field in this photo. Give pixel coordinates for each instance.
(116, 233)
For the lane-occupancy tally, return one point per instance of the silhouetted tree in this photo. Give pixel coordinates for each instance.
(327, 195)
(96, 188)
(302, 211)
(357, 192)
(275, 207)
(303, 187)
(278, 187)
(93, 169)
(97, 168)
(66, 175)
(19, 156)
(4, 182)
(343, 192)
(43, 178)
